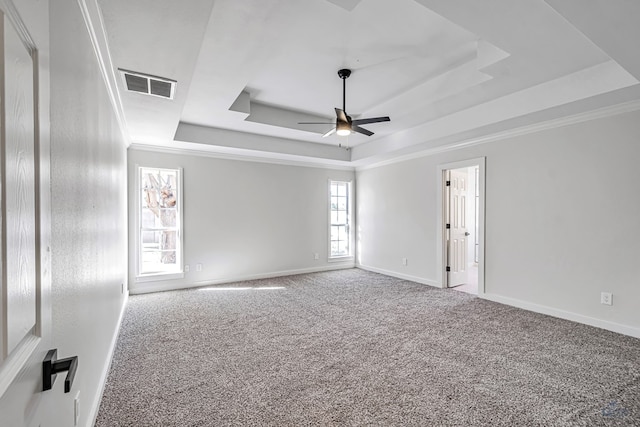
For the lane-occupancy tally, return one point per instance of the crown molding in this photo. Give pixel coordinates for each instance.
(98, 36)
(274, 158)
(303, 162)
(599, 113)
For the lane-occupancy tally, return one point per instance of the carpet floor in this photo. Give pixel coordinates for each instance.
(350, 347)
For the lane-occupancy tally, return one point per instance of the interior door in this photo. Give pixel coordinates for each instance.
(25, 309)
(457, 232)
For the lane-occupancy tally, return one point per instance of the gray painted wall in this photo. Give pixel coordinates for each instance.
(88, 178)
(242, 219)
(88, 240)
(562, 219)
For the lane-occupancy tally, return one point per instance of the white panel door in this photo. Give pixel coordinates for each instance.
(24, 200)
(457, 232)
(19, 191)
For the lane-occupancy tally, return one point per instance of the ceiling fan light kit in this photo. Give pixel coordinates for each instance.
(344, 125)
(343, 129)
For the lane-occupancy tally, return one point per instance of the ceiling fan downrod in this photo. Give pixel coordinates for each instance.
(344, 75)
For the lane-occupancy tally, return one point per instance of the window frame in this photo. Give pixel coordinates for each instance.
(349, 223)
(178, 271)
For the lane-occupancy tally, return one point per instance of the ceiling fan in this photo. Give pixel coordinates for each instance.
(344, 125)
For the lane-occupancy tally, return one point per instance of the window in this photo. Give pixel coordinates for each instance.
(160, 220)
(339, 219)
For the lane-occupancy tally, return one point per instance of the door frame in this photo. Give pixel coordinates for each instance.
(441, 242)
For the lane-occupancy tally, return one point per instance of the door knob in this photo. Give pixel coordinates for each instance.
(466, 233)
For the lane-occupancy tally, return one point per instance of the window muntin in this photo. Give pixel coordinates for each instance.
(159, 242)
(339, 219)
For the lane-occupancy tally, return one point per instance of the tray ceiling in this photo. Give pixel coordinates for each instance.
(247, 72)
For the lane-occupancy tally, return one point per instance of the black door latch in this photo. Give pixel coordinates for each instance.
(51, 366)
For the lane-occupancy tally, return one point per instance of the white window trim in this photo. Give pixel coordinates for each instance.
(164, 275)
(339, 258)
(154, 277)
(350, 219)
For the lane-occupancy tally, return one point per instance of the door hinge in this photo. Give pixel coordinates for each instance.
(448, 183)
(448, 226)
(448, 268)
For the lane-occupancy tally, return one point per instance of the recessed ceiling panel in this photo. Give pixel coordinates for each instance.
(437, 69)
(345, 4)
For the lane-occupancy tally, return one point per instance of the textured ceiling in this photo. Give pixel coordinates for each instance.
(444, 71)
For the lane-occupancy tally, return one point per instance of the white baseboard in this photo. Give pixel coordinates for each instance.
(95, 405)
(562, 314)
(166, 286)
(400, 275)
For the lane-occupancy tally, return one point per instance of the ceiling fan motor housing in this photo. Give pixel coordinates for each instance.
(344, 73)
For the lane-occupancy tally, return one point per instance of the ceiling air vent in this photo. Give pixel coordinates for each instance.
(148, 84)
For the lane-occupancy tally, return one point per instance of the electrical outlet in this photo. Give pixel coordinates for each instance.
(76, 409)
(316, 256)
(186, 268)
(404, 261)
(606, 298)
(198, 267)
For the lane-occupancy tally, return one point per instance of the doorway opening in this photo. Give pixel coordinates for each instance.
(461, 225)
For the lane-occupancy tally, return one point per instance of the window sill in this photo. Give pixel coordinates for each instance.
(340, 258)
(154, 277)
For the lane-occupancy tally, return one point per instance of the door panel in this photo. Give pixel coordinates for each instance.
(457, 233)
(19, 191)
(25, 280)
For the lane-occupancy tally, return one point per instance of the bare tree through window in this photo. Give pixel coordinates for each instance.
(159, 220)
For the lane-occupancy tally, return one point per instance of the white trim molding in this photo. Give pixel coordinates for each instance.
(402, 276)
(440, 230)
(612, 110)
(171, 286)
(562, 314)
(178, 272)
(155, 277)
(247, 157)
(95, 27)
(95, 404)
(350, 222)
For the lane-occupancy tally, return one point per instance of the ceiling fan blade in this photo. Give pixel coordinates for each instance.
(331, 132)
(371, 120)
(316, 123)
(342, 116)
(363, 131)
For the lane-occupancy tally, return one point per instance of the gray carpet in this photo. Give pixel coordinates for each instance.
(357, 348)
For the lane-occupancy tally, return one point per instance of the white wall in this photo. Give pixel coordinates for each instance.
(243, 219)
(561, 220)
(88, 176)
(395, 211)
